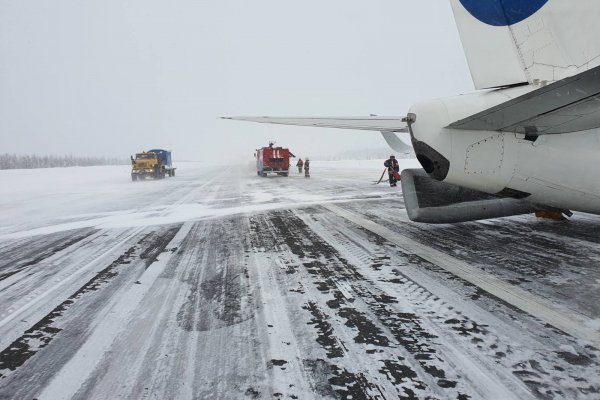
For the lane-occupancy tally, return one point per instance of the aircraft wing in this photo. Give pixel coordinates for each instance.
(567, 105)
(388, 126)
(374, 123)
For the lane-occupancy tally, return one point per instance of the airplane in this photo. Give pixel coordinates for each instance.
(528, 140)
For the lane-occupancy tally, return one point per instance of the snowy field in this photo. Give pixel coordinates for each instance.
(218, 284)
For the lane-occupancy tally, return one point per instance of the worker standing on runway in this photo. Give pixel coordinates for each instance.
(307, 168)
(393, 168)
(299, 164)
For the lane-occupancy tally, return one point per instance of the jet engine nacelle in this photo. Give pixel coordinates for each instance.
(479, 160)
(555, 171)
(434, 202)
(468, 172)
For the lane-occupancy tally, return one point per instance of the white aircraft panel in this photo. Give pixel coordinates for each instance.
(535, 40)
(560, 40)
(569, 105)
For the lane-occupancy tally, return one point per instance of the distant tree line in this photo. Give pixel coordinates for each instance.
(13, 161)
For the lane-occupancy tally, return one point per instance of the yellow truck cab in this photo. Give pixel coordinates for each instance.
(154, 164)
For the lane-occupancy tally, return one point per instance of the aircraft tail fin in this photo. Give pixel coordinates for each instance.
(509, 42)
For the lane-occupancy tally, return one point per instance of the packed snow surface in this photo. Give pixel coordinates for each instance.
(219, 284)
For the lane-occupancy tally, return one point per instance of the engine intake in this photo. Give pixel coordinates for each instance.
(435, 164)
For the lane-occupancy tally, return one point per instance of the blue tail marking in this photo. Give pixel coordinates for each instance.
(502, 12)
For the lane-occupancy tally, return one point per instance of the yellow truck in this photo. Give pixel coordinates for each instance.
(154, 163)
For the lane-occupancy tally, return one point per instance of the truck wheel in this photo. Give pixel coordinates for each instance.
(134, 178)
(173, 173)
(264, 175)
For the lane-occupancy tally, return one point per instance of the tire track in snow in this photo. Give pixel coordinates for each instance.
(42, 333)
(195, 334)
(556, 260)
(538, 363)
(28, 296)
(568, 321)
(20, 254)
(370, 337)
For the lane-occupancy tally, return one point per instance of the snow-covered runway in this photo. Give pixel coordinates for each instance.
(219, 284)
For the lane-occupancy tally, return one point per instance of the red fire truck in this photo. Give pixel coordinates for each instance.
(273, 159)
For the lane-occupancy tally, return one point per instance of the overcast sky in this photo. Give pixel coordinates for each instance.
(111, 78)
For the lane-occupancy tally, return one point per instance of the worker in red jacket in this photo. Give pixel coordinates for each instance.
(393, 168)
